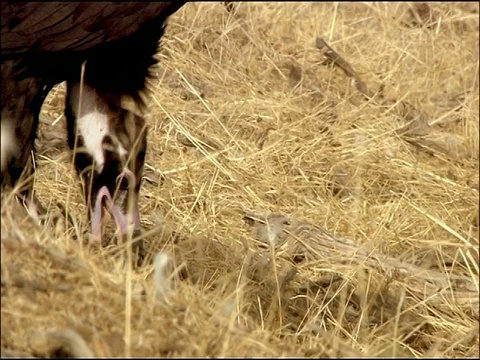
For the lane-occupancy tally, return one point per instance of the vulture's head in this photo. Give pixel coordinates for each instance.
(110, 145)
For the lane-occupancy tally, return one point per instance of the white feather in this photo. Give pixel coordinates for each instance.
(8, 147)
(93, 127)
(92, 123)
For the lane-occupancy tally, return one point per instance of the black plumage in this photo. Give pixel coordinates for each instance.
(45, 43)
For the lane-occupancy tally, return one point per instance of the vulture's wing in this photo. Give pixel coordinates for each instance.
(73, 26)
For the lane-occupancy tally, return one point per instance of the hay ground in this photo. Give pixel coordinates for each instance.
(245, 114)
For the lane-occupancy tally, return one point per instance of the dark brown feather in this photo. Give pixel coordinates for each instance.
(45, 43)
(74, 26)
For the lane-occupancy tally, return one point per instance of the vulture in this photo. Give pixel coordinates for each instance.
(104, 51)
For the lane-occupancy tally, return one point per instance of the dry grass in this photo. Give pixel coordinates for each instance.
(246, 115)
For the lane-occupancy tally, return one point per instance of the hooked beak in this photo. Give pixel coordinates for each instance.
(104, 198)
(118, 209)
